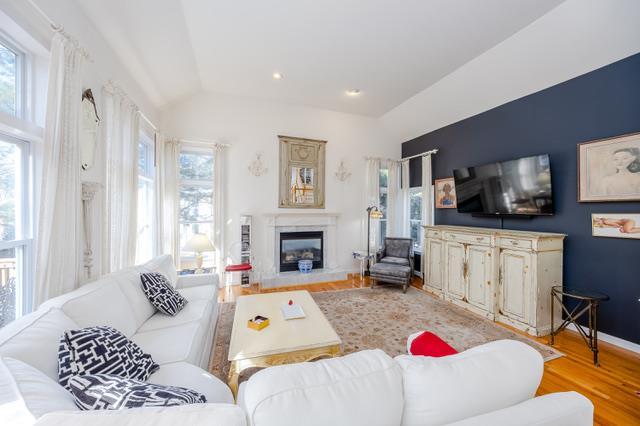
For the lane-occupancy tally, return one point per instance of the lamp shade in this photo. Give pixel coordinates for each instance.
(199, 243)
(376, 214)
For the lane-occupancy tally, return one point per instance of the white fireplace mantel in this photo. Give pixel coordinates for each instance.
(305, 221)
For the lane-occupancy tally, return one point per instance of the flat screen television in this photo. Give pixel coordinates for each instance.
(515, 187)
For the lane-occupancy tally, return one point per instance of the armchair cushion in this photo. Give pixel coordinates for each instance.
(397, 247)
(395, 260)
(390, 270)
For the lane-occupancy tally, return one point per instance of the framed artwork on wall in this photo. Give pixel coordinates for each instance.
(445, 193)
(609, 169)
(302, 173)
(616, 225)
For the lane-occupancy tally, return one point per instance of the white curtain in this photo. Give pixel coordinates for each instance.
(427, 191)
(219, 207)
(395, 207)
(372, 198)
(59, 234)
(121, 136)
(167, 180)
(404, 224)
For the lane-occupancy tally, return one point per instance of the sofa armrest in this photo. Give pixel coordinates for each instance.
(562, 408)
(195, 280)
(192, 415)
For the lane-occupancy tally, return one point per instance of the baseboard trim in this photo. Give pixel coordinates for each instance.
(616, 341)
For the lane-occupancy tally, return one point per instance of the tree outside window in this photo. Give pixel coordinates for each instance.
(10, 62)
(196, 201)
(415, 216)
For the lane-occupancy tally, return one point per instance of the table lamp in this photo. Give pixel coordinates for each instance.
(199, 244)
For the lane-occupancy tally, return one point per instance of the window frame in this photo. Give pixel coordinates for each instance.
(24, 241)
(21, 76)
(384, 219)
(148, 176)
(417, 245)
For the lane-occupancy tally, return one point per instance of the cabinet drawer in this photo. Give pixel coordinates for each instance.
(468, 238)
(515, 243)
(432, 233)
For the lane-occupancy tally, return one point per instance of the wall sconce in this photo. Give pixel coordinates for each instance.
(343, 172)
(257, 167)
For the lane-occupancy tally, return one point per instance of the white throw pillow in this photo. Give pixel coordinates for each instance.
(482, 379)
(27, 394)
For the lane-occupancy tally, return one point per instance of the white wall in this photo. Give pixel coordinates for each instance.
(252, 126)
(576, 37)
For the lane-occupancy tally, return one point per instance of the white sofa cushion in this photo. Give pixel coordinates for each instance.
(101, 302)
(364, 388)
(129, 281)
(562, 408)
(191, 377)
(482, 379)
(35, 339)
(202, 292)
(196, 311)
(173, 344)
(27, 394)
(185, 415)
(164, 265)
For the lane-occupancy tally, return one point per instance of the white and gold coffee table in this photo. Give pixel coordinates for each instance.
(283, 341)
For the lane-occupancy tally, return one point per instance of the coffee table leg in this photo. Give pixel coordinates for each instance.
(234, 375)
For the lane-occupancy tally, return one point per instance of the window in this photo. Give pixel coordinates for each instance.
(384, 191)
(15, 229)
(145, 241)
(11, 70)
(415, 216)
(196, 201)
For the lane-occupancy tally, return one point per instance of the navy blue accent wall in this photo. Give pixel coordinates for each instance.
(600, 104)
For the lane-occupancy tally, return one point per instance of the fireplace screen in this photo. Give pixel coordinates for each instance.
(295, 246)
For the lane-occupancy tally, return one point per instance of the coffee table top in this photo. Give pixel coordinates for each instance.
(281, 336)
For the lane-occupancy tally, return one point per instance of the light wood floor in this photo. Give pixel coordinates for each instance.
(614, 387)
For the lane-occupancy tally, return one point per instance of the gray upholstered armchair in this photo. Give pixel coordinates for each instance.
(394, 263)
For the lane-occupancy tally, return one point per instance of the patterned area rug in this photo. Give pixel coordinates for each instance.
(383, 318)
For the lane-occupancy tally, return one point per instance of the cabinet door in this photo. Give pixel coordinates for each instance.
(515, 282)
(479, 277)
(433, 264)
(454, 272)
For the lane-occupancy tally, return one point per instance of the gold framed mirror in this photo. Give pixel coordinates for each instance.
(302, 173)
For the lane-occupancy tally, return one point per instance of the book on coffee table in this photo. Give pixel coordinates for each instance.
(292, 311)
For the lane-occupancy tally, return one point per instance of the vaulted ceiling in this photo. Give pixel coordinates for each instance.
(388, 49)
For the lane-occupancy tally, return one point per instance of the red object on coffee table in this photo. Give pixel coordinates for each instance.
(428, 344)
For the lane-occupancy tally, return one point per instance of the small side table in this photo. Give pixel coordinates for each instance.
(588, 302)
(364, 259)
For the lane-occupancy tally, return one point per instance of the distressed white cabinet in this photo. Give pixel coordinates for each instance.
(433, 272)
(500, 274)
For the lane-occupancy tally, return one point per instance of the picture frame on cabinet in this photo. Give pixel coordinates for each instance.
(616, 225)
(445, 193)
(609, 169)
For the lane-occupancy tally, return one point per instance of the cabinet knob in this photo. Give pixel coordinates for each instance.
(479, 239)
(514, 242)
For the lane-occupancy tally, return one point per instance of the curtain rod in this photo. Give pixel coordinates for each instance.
(55, 27)
(205, 143)
(145, 118)
(433, 151)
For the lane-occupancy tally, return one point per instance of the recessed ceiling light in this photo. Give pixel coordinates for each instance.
(353, 92)
(277, 76)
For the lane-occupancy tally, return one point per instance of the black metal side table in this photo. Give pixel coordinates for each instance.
(588, 302)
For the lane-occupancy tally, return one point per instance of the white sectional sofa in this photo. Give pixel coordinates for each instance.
(493, 384)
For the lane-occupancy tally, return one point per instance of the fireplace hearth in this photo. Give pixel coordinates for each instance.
(304, 245)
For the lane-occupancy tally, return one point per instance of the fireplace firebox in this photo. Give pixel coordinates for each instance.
(295, 246)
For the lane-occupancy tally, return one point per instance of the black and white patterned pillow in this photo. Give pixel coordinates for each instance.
(108, 392)
(101, 350)
(161, 294)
